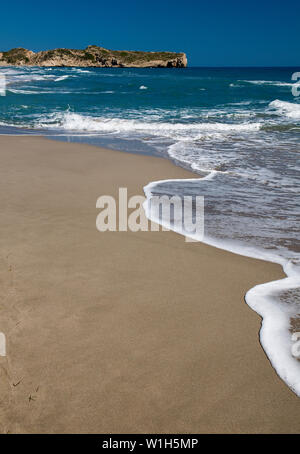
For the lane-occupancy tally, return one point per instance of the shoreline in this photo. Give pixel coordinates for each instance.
(276, 323)
(193, 398)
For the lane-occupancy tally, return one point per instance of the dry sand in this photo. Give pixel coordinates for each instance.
(122, 332)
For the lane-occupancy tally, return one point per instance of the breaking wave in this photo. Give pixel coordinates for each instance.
(287, 109)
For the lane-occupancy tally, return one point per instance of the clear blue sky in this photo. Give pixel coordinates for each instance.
(212, 32)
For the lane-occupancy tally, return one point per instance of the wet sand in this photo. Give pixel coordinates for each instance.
(122, 332)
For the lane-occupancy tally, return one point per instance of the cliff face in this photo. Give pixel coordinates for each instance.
(93, 56)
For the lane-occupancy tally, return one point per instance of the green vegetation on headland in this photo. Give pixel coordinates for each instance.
(14, 56)
(93, 56)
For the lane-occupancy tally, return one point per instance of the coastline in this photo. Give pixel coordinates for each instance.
(277, 323)
(108, 337)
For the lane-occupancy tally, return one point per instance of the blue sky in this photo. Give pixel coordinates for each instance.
(212, 32)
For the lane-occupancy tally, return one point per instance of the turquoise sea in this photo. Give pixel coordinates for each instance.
(238, 129)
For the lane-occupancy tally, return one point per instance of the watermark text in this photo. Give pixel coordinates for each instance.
(183, 214)
(2, 85)
(296, 85)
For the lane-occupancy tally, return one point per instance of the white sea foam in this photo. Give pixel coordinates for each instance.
(59, 79)
(81, 71)
(22, 92)
(40, 92)
(77, 122)
(275, 337)
(275, 83)
(287, 109)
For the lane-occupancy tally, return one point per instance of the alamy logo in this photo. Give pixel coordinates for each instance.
(2, 344)
(184, 215)
(2, 85)
(296, 86)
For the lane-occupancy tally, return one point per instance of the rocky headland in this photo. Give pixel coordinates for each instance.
(93, 56)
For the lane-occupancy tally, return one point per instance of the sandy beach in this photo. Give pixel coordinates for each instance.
(122, 332)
